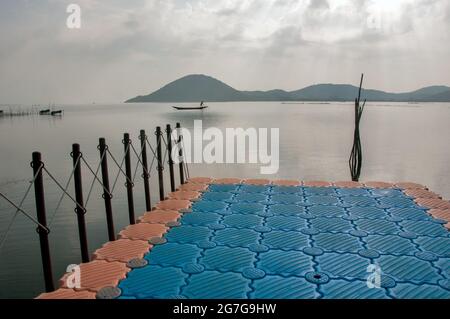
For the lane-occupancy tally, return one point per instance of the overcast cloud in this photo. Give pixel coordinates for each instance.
(126, 48)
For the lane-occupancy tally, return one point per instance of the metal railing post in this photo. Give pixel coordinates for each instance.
(145, 175)
(129, 183)
(42, 219)
(160, 166)
(80, 209)
(169, 150)
(106, 191)
(180, 153)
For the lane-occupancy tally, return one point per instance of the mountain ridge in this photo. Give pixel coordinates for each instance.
(199, 87)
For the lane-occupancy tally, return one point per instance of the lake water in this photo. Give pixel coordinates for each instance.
(401, 142)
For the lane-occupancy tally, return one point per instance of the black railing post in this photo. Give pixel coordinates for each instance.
(106, 191)
(145, 174)
(129, 182)
(160, 166)
(180, 153)
(42, 219)
(80, 209)
(169, 150)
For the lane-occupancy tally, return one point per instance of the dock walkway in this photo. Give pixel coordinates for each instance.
(232, 238)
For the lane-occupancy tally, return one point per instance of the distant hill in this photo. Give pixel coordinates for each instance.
(198, 87)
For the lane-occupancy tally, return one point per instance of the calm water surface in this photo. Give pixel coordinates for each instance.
(401, 142)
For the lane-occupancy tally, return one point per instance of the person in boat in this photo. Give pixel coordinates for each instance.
(201, 103)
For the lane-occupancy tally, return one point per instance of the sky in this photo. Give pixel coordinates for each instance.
(128, 48)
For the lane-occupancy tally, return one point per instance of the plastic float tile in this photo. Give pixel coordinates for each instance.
(408, 185)
(285, 263)
(444, 265)
(367, 212)
(193, 187)
(377, 226)
(173, 204)
(438, 245)
(353, 192)
(287, 190)
(386, 192)
(217, 196)
(184, 195)
(316, 183)
(255, 189)
(200, 180)
(407, 268)
(122, 250)
(378, 184)
(255, 181)
(440, 214)
(286, 223)
(251, 197)
(247, 208)
(287, 210)
(332, 224)
(173, 254)
(97, 274)
(410, 213)
(433, 203)
(64, 293)
(286, 199)
(143, 231)
(348, 184)
(286, 182)
(319, 191)
(359, 201)
(390, 244)
(225, 259)
(243, 221)
(153, 282)
(337, 242)
(351, 290)
(223, 188)
(424, 228)
(216, 285)
(234, 237)
(327, 211)
(410, 291)
(220, 181)
(209, 206)
(274, 287)
(349, 266)
(188, 234)
(285, 240)
(420, 193)
(200, 219)
(322, 200)
(159, 217)
(389, 202)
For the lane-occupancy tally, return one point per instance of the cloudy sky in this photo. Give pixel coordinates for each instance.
(126, 48)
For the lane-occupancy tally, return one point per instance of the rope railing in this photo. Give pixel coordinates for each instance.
(100, 176)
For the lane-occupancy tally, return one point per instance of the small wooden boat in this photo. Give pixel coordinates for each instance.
(58, 112)
(182, 108)
(44, 112)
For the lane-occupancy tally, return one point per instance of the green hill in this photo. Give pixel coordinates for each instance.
(198, 87)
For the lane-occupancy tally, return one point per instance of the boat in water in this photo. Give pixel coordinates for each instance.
(184, 108)
(57, 112)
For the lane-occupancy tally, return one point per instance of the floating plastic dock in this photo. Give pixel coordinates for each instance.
(257, 239)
